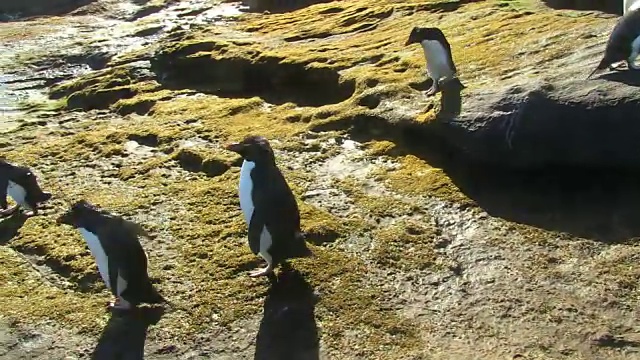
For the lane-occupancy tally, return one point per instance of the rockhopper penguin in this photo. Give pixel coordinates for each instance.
(437, 53)
(268, 205)
(121, 260)
(22, 185)
(623, 44)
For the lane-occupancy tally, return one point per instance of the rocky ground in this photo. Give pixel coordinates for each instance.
(505, 231)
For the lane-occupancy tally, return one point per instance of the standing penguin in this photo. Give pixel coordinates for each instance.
(268, 205)
(437, 53)
(623, 44)
(121, 260)
(22, 185)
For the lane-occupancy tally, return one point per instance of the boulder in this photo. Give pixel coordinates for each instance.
(40, 7)
(541, 123)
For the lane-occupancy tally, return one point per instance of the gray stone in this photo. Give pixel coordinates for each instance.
(538, 123)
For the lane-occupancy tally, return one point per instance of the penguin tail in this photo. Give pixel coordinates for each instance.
(300, 248)
(154, 297)
(601, 66)
(459, 83)
(135, 228)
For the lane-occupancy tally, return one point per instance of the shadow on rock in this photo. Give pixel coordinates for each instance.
(288, 328)
(627, 77)
(450, 95)
(38, 7)
(125, 334)
(595, 202)
(10, 226)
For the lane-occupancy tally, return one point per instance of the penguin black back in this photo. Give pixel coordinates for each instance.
(274, 204)
(419, 34)
(21, 184)
(119, 239)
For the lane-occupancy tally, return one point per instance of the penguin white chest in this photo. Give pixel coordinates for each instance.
(98, 253)
(437, 59)
(245, 189)
(17, 193)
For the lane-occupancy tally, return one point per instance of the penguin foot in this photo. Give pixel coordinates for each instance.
(432, 91)
(31, 213)
(120, 304)
(9, 211)
(261, 272)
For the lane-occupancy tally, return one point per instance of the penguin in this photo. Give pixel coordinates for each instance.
(268, 205)
(21, 184)
(437, 53)
(629, 5)
(623, 44)
(121, 260)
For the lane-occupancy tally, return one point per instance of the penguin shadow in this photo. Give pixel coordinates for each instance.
(288, 329)
(450, 95)
(11, 225)
(628, 77)
(125, 334)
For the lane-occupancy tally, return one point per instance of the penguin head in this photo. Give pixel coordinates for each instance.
(29, 181)
(420, 34)
(78, 214)
(253, 148)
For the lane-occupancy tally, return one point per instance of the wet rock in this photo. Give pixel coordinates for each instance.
(40, 7)
(538, 123)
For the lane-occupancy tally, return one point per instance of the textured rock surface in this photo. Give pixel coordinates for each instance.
(574, 122)
(420, 252)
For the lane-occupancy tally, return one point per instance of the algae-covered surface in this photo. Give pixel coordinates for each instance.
(408, 264)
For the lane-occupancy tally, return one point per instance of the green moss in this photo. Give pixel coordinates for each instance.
(407, 245)
(380, 148)
(27, 298)
(203, 257)
(416, 177)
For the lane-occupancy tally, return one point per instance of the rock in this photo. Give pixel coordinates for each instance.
(40, 7)
(539, 123)
(271, 5)
(614, 7)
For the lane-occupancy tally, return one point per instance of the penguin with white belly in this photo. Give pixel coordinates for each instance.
(437, 52)
(268, 205)
(121, 260)
(623, 44)
(21, 184)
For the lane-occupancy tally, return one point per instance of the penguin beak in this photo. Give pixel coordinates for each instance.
(235, 147)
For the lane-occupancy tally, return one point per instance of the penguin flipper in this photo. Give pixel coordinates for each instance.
(113, 264)
(4, 183)
(256, 224)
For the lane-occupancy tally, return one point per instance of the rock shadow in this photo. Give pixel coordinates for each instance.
(594, 203)
(288, 329)
(125, 334)
(11, 225)
(21, 10)
(611, 7)
(280, 6)
(272, 79)
(627, 77)
(450, 95)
